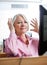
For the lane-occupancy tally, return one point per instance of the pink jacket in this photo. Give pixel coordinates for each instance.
(14, 45)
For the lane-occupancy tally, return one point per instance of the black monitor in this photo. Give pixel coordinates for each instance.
(43, 31)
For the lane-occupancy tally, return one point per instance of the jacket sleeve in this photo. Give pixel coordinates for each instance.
(10, 44)
(35, 43)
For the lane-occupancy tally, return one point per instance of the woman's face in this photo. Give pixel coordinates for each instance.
(21, 26)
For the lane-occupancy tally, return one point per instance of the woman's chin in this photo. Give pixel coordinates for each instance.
(23, 31)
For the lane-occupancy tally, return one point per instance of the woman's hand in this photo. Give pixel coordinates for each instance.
(34, 23)
(10, 24)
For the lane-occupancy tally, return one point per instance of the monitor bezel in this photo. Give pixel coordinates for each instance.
(42, 44)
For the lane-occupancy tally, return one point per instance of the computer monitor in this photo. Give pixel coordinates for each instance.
(43, 31)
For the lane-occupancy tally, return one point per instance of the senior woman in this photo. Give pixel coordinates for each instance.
(19, 44)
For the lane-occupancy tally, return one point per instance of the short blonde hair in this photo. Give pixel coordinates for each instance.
(14, 18)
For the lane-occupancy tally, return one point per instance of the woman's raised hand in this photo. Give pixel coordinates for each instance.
(34, 24)
(10, 24)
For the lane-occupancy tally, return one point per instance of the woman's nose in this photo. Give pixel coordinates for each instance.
(23, 24)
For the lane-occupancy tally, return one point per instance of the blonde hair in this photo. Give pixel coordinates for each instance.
(14, 18)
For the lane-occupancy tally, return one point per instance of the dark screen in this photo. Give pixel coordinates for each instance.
(43, 31)
(45, 28)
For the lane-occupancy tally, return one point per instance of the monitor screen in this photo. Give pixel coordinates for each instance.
(45, 28)
(43, 31)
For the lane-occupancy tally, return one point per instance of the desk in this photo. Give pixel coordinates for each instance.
(42, 60)
(2, 54)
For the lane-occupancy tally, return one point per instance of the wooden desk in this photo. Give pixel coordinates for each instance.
(42, 60)
(2, 54)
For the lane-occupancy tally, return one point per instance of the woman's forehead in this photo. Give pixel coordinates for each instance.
(19, 17)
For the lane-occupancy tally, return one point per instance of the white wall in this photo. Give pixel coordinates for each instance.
(22, 0)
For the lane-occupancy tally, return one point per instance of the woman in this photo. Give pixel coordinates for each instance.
(19, 44)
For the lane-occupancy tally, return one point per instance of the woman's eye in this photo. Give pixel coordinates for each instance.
(25, 22)
(19, 22)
